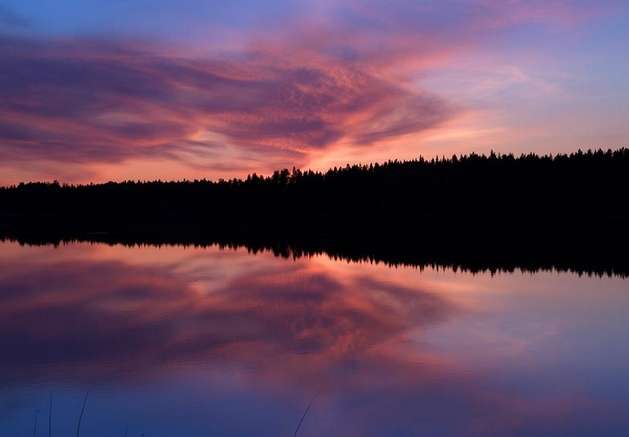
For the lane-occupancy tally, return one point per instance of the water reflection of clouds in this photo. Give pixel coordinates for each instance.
(390, 351)
(84, 317)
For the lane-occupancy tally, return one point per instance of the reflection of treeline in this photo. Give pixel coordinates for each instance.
(475, 211)
(475, 254)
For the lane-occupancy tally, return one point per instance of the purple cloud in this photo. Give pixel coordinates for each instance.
(83, 101)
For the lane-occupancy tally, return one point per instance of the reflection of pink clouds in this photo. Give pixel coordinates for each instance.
(292, 327)
(65, 316)
(278, 328)
(313, 313)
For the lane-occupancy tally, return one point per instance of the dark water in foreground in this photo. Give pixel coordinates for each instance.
(179, 341)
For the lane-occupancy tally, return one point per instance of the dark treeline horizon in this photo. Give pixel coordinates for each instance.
(567, 212)
(294, 175)
(572, 202)
(427, 187)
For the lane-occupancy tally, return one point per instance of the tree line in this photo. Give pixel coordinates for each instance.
(476, 189)
(478, 211)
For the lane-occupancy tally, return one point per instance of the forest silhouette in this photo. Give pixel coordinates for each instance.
(475, 211)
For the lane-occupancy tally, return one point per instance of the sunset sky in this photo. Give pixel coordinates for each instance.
(172, 89)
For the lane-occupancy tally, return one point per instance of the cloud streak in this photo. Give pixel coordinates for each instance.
(90, 102)
(318, 82)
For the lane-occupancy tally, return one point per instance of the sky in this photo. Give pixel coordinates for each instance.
(92, 91)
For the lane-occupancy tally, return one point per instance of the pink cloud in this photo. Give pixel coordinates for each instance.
(342, 75)
(99, 103)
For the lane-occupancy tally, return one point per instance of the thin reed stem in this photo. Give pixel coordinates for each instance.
(50, 416)
(78, 424)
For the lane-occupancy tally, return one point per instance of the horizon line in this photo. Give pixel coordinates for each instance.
(420, 158)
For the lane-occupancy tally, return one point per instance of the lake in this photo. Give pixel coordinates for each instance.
(201, 341)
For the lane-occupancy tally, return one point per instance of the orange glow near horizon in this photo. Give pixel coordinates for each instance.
(333, 84)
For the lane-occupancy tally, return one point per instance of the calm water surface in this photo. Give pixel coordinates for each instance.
(177, 341)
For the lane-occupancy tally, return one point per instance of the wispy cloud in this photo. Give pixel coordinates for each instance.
(80, 101)
(336, 77)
